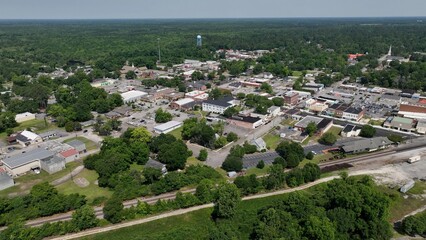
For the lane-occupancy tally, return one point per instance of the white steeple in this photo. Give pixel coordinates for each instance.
(390, 51)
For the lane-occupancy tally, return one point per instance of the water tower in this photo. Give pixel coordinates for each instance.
(199, 41)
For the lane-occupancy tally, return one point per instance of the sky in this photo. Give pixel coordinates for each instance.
(148, 9)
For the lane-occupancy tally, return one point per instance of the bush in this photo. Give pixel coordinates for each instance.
(260, 164)
(367, 131)
(395, 138)
(232, 137)
(328, 139)
(232, 163)
(310, 155)
(203, 155)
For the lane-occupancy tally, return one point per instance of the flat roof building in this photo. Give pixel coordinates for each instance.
(167, 127)
(22, 163)
(132, 96)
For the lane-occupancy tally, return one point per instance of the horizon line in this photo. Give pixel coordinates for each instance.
(213, 18)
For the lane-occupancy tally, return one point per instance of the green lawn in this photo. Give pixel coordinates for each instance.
(297, 73)
(91, 191)
(177, 133)
(257, 171)
(193, 161)
(288, 122)
(90, 145)
(37, 125)
(419, 188)
(24, 183)
(272, 141)
(136, 167)
(376, 122)
(335, 130)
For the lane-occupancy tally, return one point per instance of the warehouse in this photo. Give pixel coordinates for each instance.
(132, 96)
(23, 117)
(22, 163)
(167, 127)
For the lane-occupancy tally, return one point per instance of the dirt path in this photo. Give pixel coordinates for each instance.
(183, 211)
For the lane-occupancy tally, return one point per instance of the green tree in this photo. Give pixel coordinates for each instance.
(231, 137)
(151, 174)
(162, 116)
(229, 112)
(233, 163)
(367, 131)
(278, 101)
(204, 191)
(131, 75)
(141, 134)
(228, 198)
(311, 129)
(202, 156)
(328, 138)
(281, 161)
(69, 126)
(310, 155)
(260, 164)
(158, 141)
(113, 210)
(174, 155)
(266, 88)
(220, 142)
(84, 218)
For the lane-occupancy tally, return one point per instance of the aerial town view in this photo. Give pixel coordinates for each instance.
(146, 120)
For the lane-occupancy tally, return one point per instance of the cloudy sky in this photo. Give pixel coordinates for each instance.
(111, 9)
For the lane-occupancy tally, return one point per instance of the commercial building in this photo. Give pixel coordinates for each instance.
(291, 98)
(53, 165)
(399, 123)
(167, 127)
(26, 116)
(421, 127)
(69, 155)
(133, 96)
(367, 145)
(183, 104)
(412, 111)
(353, 114)
(22, 163)
(78, 145)
(323, 124)
(350, 131)
(245, 121)
(218, 106)
(274, 111)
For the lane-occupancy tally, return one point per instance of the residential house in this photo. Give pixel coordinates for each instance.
(218, 106)
(366, 145)
(274, 111)
(26, 138)
(155, 164)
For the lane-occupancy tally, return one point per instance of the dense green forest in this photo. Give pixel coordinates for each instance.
(29, 47)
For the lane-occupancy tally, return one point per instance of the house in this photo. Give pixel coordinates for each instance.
(218, 106)
(69, 155)
(412, 111)
(350, 131)
(421, 127)
(167, 127)
(53, 165)
(353, 114)
(157, 165)
(26, 138)
(22, 163)
(245, 121)
(5, 180)
(274, 111)
(183, 104)
(366, 145)
(26, 116)
(291, 98)
(399, 123)
(78, 145)
(251, 160)
(132, 96)
(259, 143)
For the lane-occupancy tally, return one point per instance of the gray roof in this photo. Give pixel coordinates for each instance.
(49, 133)
(78, 145)
(4, 178)
(251, 160)
(154, 164)
(306, 120)
(260, 143)
(28, 157)
(223, 102)
(54, 160)
(366, 144)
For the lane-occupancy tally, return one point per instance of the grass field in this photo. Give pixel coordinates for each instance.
(91, 191)
(177, 133)
(24, 183)
(288, 122)
(272, 141)
(257, 171)
(37, 125)
(193, 161)
(335, 130)
(376, 122)
(90, 145)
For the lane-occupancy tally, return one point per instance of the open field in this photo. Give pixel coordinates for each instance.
(90, 145)
(272, 141)
(257, 171)
(91, 191)
(177, 133)
(26, 182)
(335, 130)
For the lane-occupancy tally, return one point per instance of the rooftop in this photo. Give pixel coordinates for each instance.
(248, 119)
(306, 120)
(167, 125)
(25, 158)
(224, 102)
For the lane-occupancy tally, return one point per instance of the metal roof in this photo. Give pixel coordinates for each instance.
(167, 125)
(28, 157)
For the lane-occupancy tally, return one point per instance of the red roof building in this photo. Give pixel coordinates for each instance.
(69, 153)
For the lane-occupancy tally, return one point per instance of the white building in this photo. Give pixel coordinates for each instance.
(218, 106)
(26, 116)
(132, 96)
(167, 127)
(26, 138)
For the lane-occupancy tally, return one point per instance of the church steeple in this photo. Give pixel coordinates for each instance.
(390, 51)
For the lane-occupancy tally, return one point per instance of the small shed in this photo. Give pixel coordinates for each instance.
(53, 165)
(407, 186)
